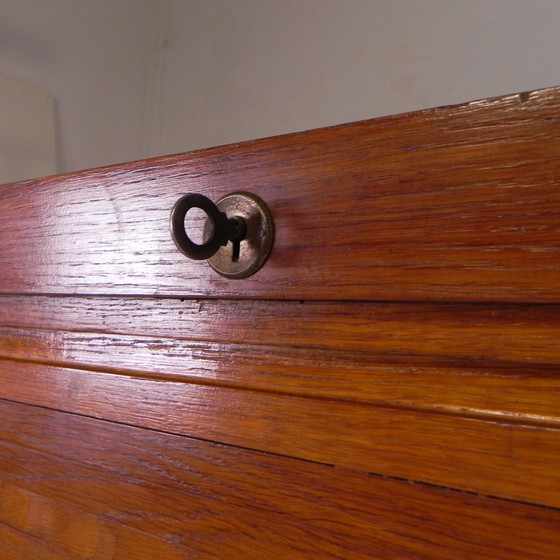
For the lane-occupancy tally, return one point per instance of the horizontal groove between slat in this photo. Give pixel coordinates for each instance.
(377, 512)
(502, 417)
(70, 458)
(516, 394)
(496, 360)
(241, 298)
(489, 458)
(531, 332)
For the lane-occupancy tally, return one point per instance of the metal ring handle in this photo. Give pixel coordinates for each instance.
(184, 243)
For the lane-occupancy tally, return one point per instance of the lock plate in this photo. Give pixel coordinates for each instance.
(243, 258)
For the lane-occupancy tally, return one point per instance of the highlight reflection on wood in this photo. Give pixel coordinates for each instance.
(387, 386)
(456, 203)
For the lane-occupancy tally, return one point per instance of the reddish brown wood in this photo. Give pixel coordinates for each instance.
(490, 457)
(387, 386)
(209, 501)
(454, 203)
(18, 545)
(462, 334)
(71, 533)
(496, 361)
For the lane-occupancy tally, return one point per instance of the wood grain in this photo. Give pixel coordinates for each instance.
(499, 362)
(18, 545)
(465, 334)
(212, 501)
(456, 203)
(386, 386)
(71, 532)
(498, 458)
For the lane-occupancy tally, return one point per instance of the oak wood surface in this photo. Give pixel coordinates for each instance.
(69, 532)
(510, 392)
(501, 458)
(386, 386)
(19, 545)
(454, 203)
(467, 359)
(204, 500)
(462, 334)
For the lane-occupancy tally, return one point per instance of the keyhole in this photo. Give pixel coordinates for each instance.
(237, 232)
(236, 249)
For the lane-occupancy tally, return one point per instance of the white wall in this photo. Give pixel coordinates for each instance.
(95, 58)
(240, 69)
(27, 137)
(132, 78)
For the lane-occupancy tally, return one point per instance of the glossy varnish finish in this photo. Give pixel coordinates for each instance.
(386, 386)
(174, 495)
(455, 203)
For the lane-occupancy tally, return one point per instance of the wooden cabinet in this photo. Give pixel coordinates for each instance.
(386, 386)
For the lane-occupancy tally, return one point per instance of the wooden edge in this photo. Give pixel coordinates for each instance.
(273, 505)
(489, 458)
(454, 204)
